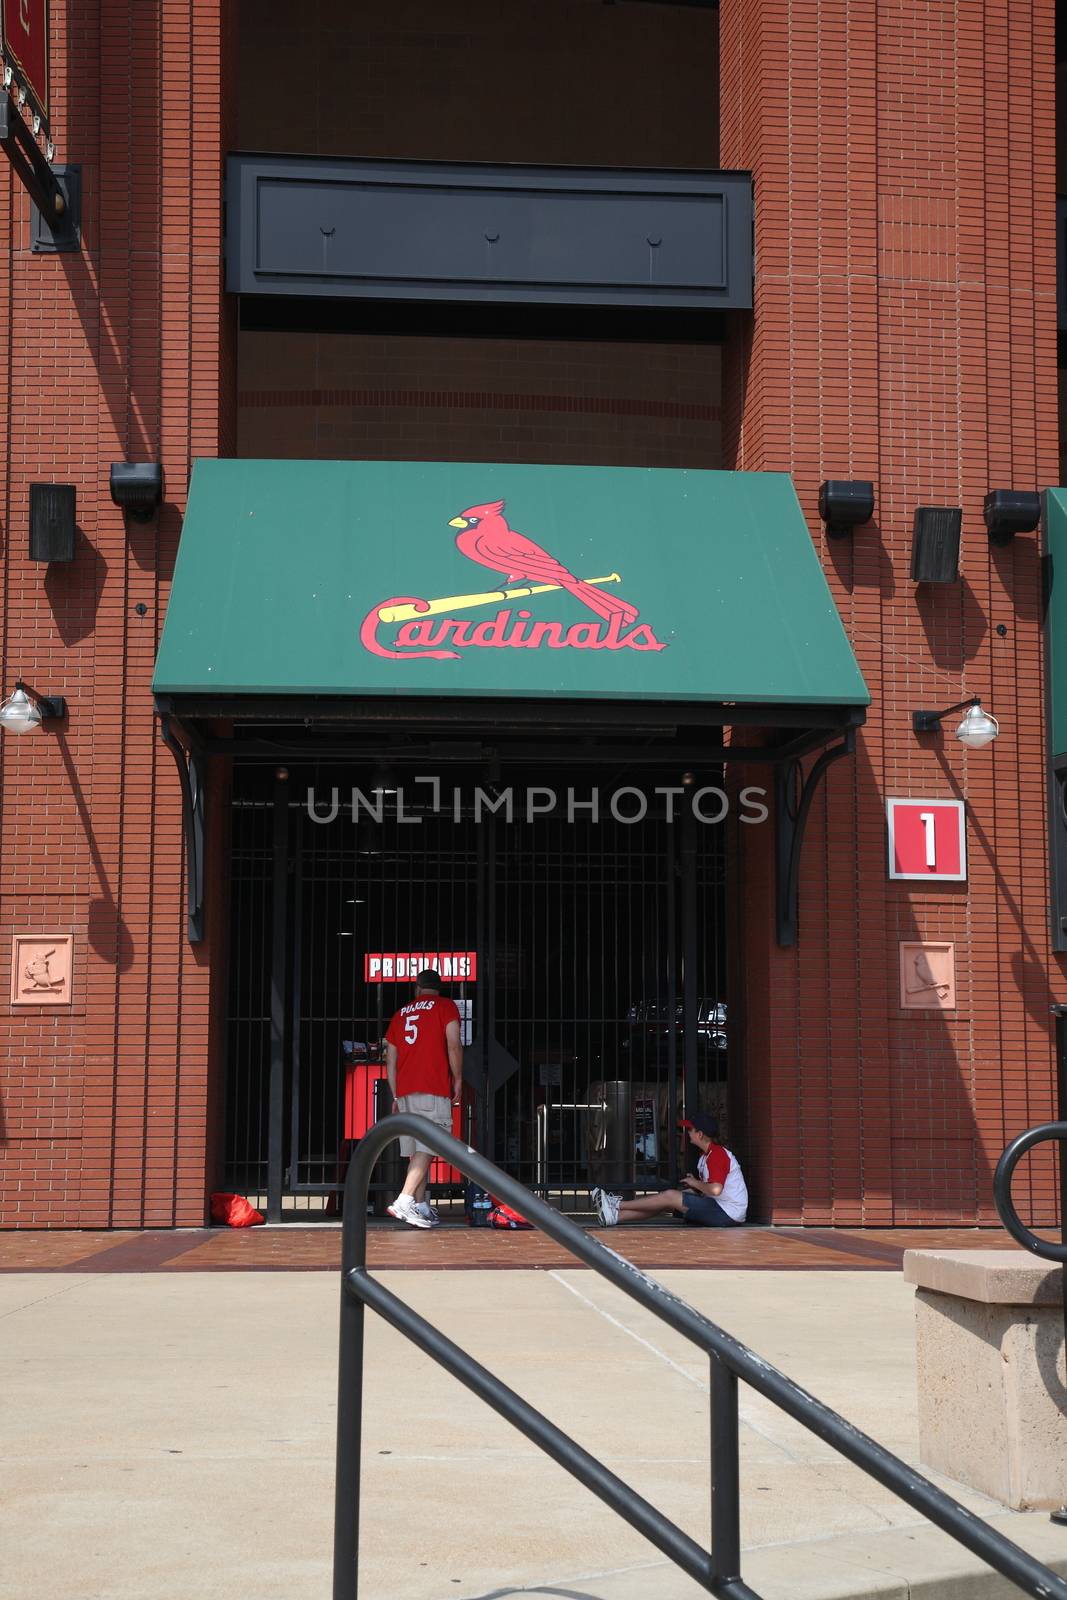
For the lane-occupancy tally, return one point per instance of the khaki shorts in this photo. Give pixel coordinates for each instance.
(435, 1108)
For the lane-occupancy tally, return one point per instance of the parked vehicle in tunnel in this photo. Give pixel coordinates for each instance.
(650, 1025)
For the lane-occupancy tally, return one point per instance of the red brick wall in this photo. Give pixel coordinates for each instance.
(904, 331)
(107, 355)
(573, 81)
(418, 399)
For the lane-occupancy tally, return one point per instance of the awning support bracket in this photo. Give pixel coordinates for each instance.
(191, 779)
(32, 170)
(790, 821)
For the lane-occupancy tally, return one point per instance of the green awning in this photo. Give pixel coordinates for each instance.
(366, 578)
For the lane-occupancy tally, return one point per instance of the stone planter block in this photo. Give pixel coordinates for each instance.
(992, 1383)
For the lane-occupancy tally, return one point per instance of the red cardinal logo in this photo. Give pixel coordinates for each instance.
(487, 539)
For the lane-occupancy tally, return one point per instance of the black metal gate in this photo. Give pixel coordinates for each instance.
(596, 1006)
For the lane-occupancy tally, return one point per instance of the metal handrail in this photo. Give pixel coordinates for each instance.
(1006, 1206)
(717, 1570)
(1046, 1248)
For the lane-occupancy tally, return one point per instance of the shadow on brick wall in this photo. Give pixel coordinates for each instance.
(936, 1072)
(74, 590)
(108, 933)
(115, 280)
(953, 620)
(1020, 569)
(878, 575)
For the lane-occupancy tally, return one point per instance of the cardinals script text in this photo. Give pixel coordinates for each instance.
(509, 630)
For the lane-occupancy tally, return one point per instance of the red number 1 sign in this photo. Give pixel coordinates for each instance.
(927, 839)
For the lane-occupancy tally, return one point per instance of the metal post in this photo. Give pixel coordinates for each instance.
(725, 1475)
(484, 1006)
(670, 1133)
(298, 1110)
(690, 962)
(1060, 1013)
(1061, 1116)
(350, 1392)
(279, 990)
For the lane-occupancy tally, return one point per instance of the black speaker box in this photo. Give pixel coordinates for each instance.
(935, 544)
(53, 513)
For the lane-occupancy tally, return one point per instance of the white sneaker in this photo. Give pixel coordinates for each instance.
(607, 1207)
(429, 1212)
(405, 1209)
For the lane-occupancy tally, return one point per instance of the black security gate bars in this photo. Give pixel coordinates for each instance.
(265, 729)
(717, 1570)
(600, 1001)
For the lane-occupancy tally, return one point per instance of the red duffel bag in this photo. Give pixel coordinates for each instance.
(234, 1211)
(502, 1216)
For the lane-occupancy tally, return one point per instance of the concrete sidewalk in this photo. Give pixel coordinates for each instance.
(170, 1437)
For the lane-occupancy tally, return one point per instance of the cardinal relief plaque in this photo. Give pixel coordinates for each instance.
(927, 976)
(41, 969)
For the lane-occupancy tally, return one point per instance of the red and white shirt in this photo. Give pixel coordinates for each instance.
(418, 1033)
(719, 1165)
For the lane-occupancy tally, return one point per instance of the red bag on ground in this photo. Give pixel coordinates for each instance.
(234, 1210)
(502, 1216)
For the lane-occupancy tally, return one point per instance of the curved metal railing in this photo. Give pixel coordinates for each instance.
(717, 1570)
(1046, 1248)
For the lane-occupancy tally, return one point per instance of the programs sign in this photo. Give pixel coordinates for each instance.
(25, 41)
(401, 966)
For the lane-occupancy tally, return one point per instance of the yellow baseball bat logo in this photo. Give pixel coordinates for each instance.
(467, 602)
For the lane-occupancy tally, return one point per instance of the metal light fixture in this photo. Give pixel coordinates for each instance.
(22, 712)
(137, 488)
(975, 728)
(1007, 512)
(845, 504)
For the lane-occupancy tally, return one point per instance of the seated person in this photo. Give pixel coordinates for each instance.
(718, 1198)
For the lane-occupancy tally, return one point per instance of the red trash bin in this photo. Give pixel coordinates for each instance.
(360, 1080)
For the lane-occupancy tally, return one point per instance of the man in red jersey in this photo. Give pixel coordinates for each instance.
(424, 1065)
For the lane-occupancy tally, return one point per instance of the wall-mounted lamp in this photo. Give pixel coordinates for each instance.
(137, 488)
(53, 518)
(845, 504)
(1010, 511)
(22, 712)
(975, 728)
(935, 544)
